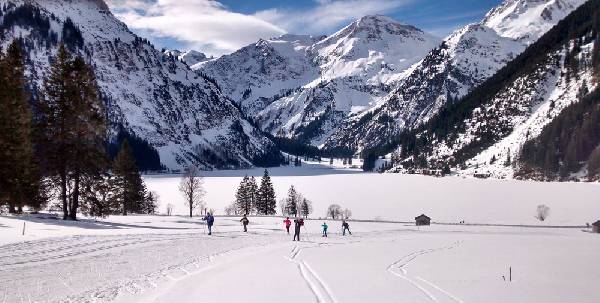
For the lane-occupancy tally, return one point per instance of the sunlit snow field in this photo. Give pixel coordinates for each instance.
(400, 197)
(172, 259)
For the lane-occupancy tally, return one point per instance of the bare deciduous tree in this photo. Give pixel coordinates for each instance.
(334, 211)
(231, 209)
(169, 209)
(192, 188)
(346, 214)
(542, 212)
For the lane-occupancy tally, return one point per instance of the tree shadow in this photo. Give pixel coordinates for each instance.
(96, 224)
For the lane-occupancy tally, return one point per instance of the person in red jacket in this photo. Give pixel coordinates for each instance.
(288, 223)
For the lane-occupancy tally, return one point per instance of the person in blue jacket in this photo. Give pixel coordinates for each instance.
(209, 222)
(324, 229)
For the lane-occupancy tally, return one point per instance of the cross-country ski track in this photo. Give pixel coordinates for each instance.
(171, 259)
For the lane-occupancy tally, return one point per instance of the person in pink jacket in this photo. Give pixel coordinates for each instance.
(288, 223)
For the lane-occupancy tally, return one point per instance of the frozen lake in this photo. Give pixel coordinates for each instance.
(402, 197)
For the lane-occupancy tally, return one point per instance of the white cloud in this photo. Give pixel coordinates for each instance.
(209, 26)
(329, 15)
(200, 24)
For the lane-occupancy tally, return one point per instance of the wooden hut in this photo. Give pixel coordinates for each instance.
(422, 220)
(596, 227)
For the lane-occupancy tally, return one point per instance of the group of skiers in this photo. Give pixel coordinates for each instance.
(298, 223)
(345, 227)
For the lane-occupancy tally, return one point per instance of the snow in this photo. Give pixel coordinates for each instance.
(170, 259)
(402, 197)
(289, 81)
(153, 95)
(527, 20)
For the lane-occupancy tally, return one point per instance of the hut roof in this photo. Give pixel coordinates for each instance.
(425, 217)
(597, 223)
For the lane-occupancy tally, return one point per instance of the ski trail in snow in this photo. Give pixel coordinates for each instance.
(402, 263)
(451, 296)
(416, 285)
(318, 287)
(324, 285)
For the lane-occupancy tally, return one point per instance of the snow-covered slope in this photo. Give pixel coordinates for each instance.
(190, 57)
(303, 87)
(463, 60)
(527, 20)
(156, 96)
(483, 134)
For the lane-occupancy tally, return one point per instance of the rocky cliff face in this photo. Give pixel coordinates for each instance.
(182, 114)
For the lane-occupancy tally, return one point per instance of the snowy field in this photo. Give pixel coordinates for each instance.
(400, 197)
(171, 259)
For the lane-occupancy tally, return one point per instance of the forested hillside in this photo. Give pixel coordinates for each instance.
(482, 133)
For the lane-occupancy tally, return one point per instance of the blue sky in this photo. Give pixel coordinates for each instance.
(220, 27)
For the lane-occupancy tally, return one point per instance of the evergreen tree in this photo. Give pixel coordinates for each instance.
(252, 192)
(72, 127)
(151, 203)
(130, 187)
(292, 202)
(594, 164)
(21, 182)
(305, 207)
(243, 199)
(508, 160)
(267, 203)
(99, 198)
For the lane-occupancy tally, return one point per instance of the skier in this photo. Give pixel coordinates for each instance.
(345, 226)
(209, 222)
(298, 223)
(288, 223)
(324, 229)
(245, 222)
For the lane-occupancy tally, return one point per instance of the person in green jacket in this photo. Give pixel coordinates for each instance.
(324, 229)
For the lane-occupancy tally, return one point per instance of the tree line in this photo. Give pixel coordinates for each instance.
(416, 145)
(250, 198)
(53, 143)
(566, 144)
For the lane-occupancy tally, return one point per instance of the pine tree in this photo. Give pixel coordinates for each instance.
(508, 161)
(99, 198)
(130, 187)
(21, 183)
(243, 199)
(292, 202)
(252, 192)
(151, 203)
(305, 207)
(594, 164)
(72, 128)
(266, 202)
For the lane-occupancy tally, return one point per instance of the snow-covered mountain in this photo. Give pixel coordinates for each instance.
(304, 87)
(181, 113)
(484, 133)
(191, 57)
(461, 62)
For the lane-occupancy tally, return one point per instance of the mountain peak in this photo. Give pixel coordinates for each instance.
(527, 20)
(382, 24)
